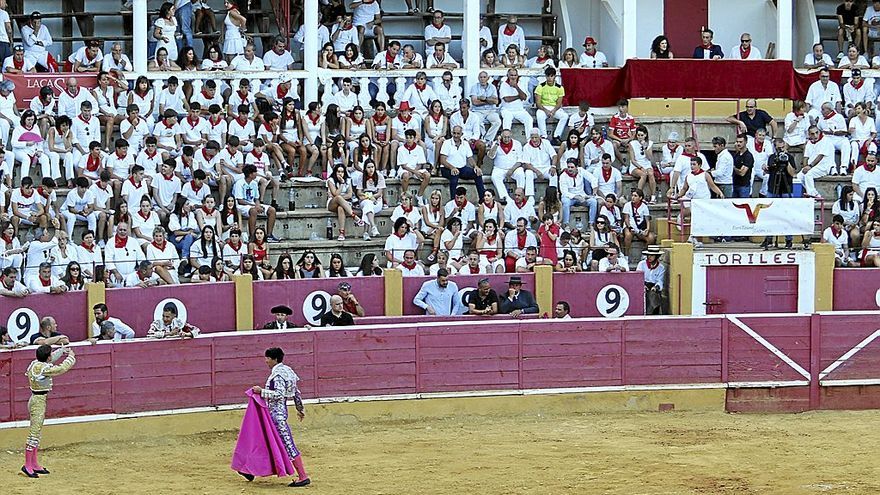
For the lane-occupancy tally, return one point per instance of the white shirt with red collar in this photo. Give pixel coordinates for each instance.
(398, 245)
(467, 214)
(134, 279)
(69, 104)
(86, 130)
(865, 178)
(119, 165)
(136, 138)
(481, 269)
(540, 156)
(193, 131)
(164, 253)
(134, 192)
(414, 270)
(202, 162)
(434, 31)
(260, 161)
(102, 193)
(195, 196)
(146, 225)
(737, 53)
(151, 163)
(40, 286)
(206, 101)
(26, 204)
(507, 156)
(400, 126)
(123, 256)
(683, 167)
(167, 188)
(216, 131)
(593, 153)
(166, 133)
(243, 131)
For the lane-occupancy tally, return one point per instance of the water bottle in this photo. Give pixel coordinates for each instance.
(329, 229)
(604, 132)
(291, 200)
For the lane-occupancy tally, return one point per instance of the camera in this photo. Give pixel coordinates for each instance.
(782, 157)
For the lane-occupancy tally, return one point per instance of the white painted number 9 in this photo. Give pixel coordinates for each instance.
(22, 324)
(316, 305)
(612, 301)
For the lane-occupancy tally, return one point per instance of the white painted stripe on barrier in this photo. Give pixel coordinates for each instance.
(850, 353)
(849, 383)
(770, 347)
(789, 383)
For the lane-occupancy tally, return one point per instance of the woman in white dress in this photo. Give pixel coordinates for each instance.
(356, 126)
(165, 29)
(370, 192)
(433, 220)
(862, 132)
(205, 249)
(233, 27)
(641, 158)
(339, 194)
(436, 125)
(489, 244)
(28, 152)
(11, 250)
(59, 146)
(697, 185)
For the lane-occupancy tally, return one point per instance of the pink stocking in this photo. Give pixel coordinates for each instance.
(300, 469)
(30, 460)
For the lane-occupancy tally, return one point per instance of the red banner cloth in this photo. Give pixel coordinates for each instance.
(27, 86)
(688, 78)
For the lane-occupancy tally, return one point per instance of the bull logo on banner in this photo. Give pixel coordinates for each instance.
(752, 215)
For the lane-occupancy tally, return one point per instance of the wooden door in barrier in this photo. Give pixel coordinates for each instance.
(751, 289)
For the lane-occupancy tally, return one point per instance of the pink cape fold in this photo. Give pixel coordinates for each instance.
(259, 450)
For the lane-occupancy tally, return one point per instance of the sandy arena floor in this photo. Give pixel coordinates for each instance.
(636, 453)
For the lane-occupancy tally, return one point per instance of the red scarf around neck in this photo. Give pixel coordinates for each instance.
(506, 147)
(509, 30)
(119, 243)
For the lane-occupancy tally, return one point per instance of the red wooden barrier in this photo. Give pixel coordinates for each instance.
(411, 286)
(68, 309)
(769, 352)
(582, 291)
(856, 289)
(300, 295)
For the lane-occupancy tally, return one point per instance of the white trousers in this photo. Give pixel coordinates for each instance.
(560, 115)
(522, 116)
(71, 218)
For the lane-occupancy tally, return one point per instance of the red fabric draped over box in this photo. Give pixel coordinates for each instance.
(688, 78)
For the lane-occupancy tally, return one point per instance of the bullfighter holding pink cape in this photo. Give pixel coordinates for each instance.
(265, 444)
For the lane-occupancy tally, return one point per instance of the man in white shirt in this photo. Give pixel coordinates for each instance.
(134, 188)
(459, 207)
(834, 128)
(134, 129)
(571, 188)
(171, 97)
(196, 190)
(440, 58)
(457, 162)
(723, 173)
(247, 196)
(822, 91)
(537, 159)
(818, 161)
(230, 161)
(208, 96)
(817, 58)
(85, 128)
(122, 255)
(612, 262)
(117, 60)
(166, 189)
(512, 34)
(520, 207)
(796, 125)
(516, 241)
(278, 58)
(592, 58)
(607, 180)
(512, 97)
(670, 153)
(436, 32)
(682, 166)
(745, 50)
(486, 41)
(342, 33)
(472, 127)
(102, 314)
(79, 206)
(18, 63)
(484, 100)
(413, 164)
(368, 14)
(248, 62)
(871, 26)
(70, 100)
(505, 154)
(865, 176)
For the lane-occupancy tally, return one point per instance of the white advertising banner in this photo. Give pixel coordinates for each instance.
(752, 217)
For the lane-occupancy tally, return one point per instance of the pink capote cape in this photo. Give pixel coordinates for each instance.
(259, 450)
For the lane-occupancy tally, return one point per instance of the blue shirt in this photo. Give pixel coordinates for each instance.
(444, 300)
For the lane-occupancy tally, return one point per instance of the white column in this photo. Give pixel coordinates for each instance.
(630, 29)
(784, 28)
(310, 49)
(139, 36)
(471, 40)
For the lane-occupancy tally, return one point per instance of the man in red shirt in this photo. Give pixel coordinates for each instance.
(623, 129)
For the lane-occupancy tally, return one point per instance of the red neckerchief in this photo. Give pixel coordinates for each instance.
(707, 46)
(243, 96)
(357, 122)
(671, 148)
(541, 60)
(118, 156)
(166, 124)
(593, 54)
(205, 94)
(46, 283)
(88, 60)
(192, 123)
(830, 115)
(93, 162)
(268, 127)
(214, 124)
(836, 232)
(73, 280)
(90, 249)
(462, 204)
(150, 155)
(77, 93)
(160, 248)
(420, 87)
(404, 120)
(207, 211)
(42, 192)
(519, 204)
(652, 264)
(231, 152)
(169, 176)
(407, 210)
(119, 243)
(857, 86)
(18, 65)
(508, 31)
(242, 120)
(487, 205)
(408, 265)
(281, 94)
(821, 135)
(698, 172)
(258, 157)
(532, 143)
(474, 270)
(401, 236)
(233, 246)
(141, 277)
(135, 184)
(7, 240)
(600, 142)
(101, 185)
(491, 238)
(259, 246)
(204, 155)
(85, 121)
(437, 117)
(410, 148)
(570, 173)
(314, 119)
(871, 168)
(759, 147)
(744, 54)
(26, 195)
(379, 122)
(136, 91)
(145, 217)
(521, 240)
(689, 155)
(389, 57)
(506, 147)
